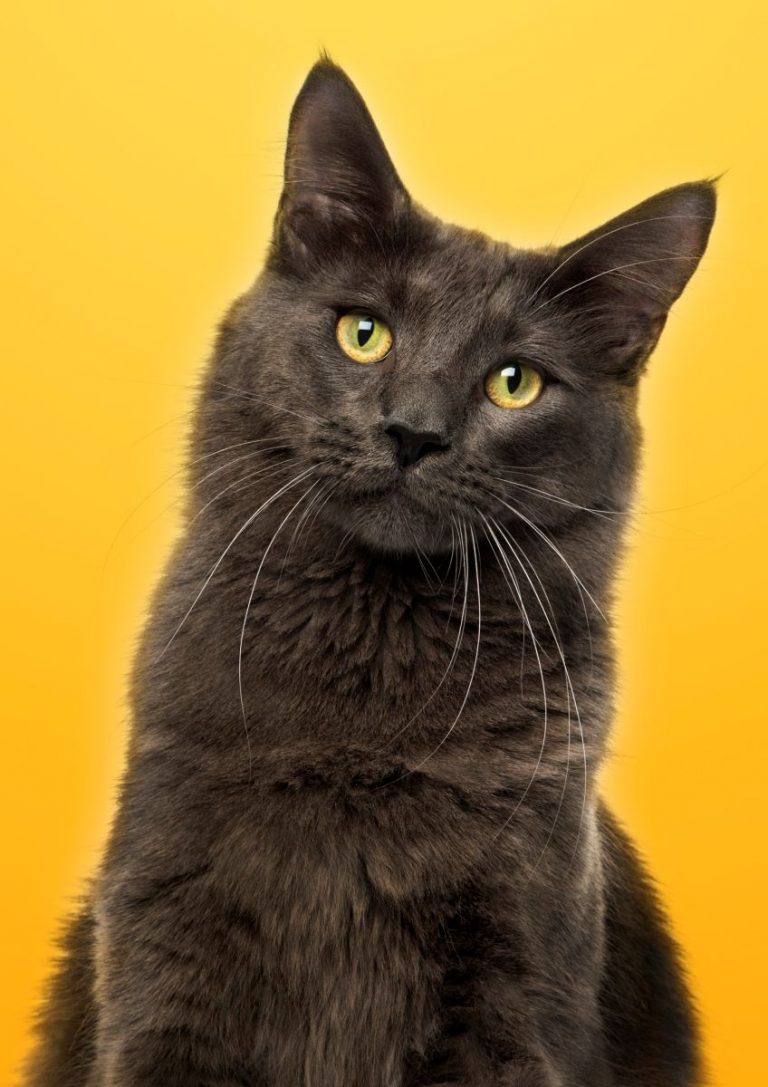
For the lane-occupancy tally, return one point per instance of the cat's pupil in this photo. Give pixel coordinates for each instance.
(364, 331)
(512, 375)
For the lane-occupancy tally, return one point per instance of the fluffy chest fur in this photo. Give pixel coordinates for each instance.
(401, 723)
(358, 841)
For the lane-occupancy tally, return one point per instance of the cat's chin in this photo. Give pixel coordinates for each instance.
(394, 525)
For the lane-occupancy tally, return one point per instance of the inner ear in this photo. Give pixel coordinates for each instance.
(340, 184)
(621, 279)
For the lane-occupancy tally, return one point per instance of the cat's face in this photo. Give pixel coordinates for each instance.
(425, 377)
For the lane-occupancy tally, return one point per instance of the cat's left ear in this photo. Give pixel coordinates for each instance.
(340, 185)
(622, 278)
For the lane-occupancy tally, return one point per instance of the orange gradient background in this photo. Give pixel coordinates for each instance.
(141, 155)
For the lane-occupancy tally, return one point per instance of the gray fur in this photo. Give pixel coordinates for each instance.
(358, 841)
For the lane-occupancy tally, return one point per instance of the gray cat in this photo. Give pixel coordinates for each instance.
(358, 841)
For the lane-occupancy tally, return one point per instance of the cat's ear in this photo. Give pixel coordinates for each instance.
(623, 277)
(340, 185)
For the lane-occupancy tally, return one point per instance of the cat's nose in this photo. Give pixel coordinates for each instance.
(412, 445)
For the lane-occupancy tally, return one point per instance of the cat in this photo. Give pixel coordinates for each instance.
(359, 842)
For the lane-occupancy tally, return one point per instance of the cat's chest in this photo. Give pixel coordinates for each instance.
(366, 823)
(363, 635)
(356, 656)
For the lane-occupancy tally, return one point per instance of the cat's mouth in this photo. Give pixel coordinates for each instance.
(400, 515)
(399, 494)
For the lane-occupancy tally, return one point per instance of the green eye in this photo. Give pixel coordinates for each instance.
(363, 337)
(514, 385)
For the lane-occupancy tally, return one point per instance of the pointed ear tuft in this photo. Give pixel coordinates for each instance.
(340, 185)
(628, 272)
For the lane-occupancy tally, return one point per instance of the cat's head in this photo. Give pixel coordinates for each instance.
(422, 376)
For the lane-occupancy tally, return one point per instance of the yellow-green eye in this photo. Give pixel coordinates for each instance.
(363, 337)
(514, 385)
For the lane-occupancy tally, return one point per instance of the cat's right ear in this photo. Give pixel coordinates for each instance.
(340, 186)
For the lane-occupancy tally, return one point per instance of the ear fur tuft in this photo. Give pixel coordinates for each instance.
(625, 275)
(339, 179)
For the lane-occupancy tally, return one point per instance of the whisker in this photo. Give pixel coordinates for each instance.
(455, 721)
(601, 237)
(446, 673)
(571, 700)
(553, 547)
(325, 487)
(246, 524)
(581, 587)
(453, 563)
(237, 460)
(179, 471)
(159, 427)
(238, 445)
(517, 594)
(269, 470)
(347, 535)
(251, 595)
(239, 484)
(608, 514)
(419, 553)
(599, 275)
(272, 405)
(318, 510)
(530, 467)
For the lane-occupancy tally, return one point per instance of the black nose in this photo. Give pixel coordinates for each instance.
(412, 445)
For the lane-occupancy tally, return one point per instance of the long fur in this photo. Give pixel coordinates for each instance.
(359, 842)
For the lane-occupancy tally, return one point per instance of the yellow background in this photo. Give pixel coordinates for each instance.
(141, 158)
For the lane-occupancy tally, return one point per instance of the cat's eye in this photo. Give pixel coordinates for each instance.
(363, 337)
(514, 385)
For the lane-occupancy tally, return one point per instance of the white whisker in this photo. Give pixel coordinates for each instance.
(268, 471)
(553, 547)
(465, 699)
(179, 471)
(599, 275)
(311, 505)
(571, 700)
(237, 445)
(251, 595)
(246, 524)
(272, 405)
(601, 237)
(509, 573)
(446, 673)
(608, 514)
